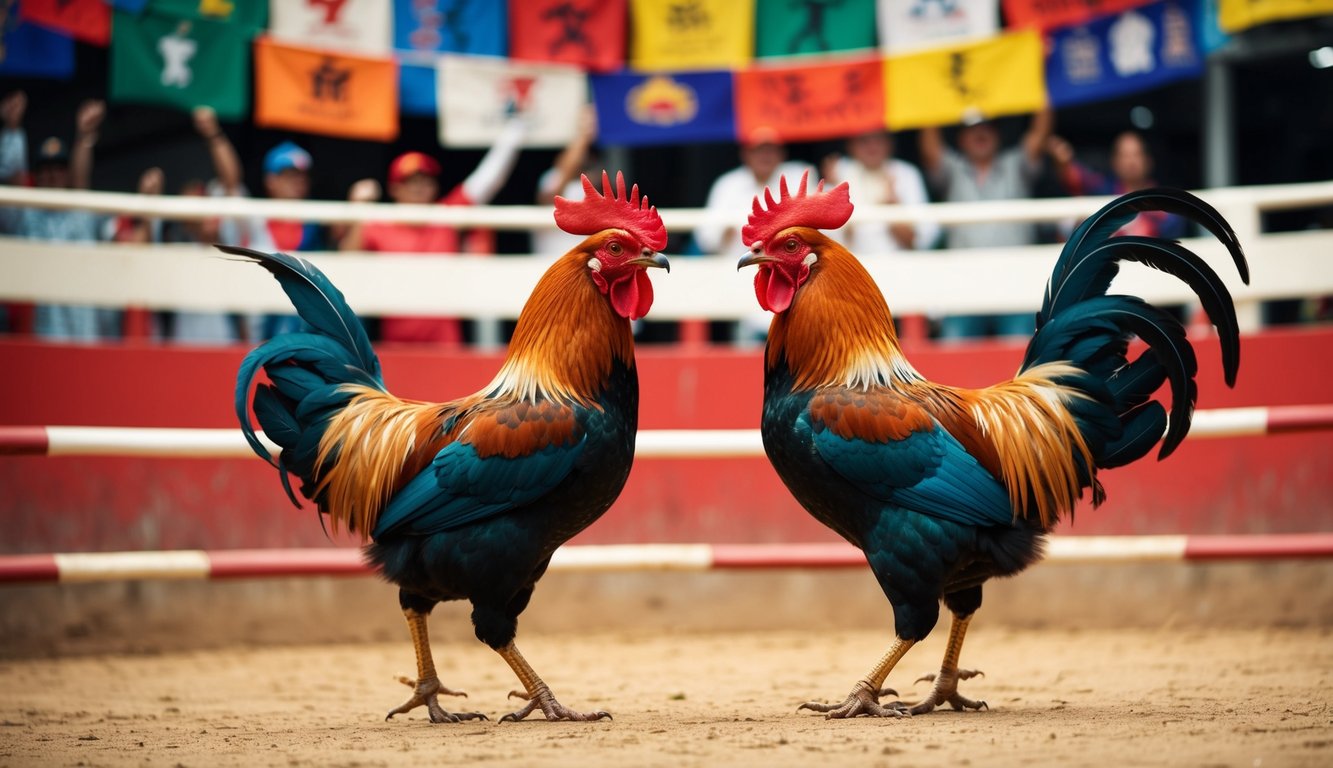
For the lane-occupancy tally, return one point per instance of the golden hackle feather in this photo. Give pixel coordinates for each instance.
(839, 333)
(562, 350)
(567, 336)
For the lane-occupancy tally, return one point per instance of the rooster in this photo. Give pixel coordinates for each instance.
(468, 499)
(944, 488)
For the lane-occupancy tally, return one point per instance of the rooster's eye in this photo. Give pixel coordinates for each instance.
(791, 245)
(614, 248)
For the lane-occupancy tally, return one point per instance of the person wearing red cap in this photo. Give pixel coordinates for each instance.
(414, 179)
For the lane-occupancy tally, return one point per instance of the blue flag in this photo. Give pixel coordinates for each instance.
(662, 108)
(416, 89)
(432, 26)
(1126, 53)
(456, 26)
(33, 51)
(129, 6)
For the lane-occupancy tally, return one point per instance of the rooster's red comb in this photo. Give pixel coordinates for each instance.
(596, 212)
(818, 210)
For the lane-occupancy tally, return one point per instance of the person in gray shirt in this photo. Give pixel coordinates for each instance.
(982, 169)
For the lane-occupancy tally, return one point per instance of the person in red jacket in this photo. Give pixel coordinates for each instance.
(414, 179)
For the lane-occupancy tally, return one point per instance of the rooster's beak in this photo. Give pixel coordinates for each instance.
(753, 257)
(656, 260)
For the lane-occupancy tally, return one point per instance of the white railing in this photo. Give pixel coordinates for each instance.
(1007, 279)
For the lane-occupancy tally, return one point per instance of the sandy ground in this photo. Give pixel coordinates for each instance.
(1057, 697)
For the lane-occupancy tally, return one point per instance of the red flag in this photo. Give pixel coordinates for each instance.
(586, 33)
(86, 20)
(1047, 14)
(812, 102)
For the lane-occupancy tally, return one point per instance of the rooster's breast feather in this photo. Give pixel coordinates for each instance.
(502, 458)
(892, 449)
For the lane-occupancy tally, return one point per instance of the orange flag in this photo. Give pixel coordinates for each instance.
(320, 91)
(806, 102)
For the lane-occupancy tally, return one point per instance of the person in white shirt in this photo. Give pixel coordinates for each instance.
(876, 177)
(763, 161)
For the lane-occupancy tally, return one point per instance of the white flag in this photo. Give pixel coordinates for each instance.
(351, 26)
(475, 94)
(908, 24)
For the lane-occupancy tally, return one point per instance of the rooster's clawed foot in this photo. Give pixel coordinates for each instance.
(542, 699)
(863, 700)
(426, 693)
(945, 691)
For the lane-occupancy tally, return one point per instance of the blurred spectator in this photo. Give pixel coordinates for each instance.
(287, 177)
(56, 166)
(982, 170)
(763, 162)
(1131, 170)
(562, 179)
(215, 328)
(13, 139)
(138, 229)
(414, 179)
(876, 177)
(139, 323)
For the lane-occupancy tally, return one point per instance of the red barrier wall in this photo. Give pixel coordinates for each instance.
(1241, 485)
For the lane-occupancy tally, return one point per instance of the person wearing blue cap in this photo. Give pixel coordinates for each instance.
(287, 177)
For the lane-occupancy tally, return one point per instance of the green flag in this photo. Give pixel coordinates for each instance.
(185, 63)
(791, 27)
(247, 13)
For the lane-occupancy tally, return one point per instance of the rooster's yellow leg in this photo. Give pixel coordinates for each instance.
(945, 690)
(427, 688)
(864, 698)
(537, 694)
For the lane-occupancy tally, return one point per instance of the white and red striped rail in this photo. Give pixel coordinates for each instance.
(347, 561)
(651, 444)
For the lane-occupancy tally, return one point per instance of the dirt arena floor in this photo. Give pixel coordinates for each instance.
(1064, 697)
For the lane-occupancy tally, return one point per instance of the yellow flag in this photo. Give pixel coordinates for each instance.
(1235, 15)
(991, 78)
(692, 34)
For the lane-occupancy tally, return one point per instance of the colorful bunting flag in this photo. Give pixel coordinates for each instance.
(813, 26)
(130, 6)
(1237, 15)
(247, 13)
(988, 79)
(1117, 55)
(357, 26)
(691, 34)
(813, 101)
(585, 33)
(181, 63)
(460, 26)
(476, 94)
(318, 91)
(686, 107)
(32, 51)
(1048, 14)
(908, 24)
(86, 20)
(416, 88)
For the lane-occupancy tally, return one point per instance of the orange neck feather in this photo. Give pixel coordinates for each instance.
(567, 338)
(838, 329)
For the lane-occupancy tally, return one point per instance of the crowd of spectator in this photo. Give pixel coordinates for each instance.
(977, 166)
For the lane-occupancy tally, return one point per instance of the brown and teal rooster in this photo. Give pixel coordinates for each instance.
(944, 488)
(468, 499)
